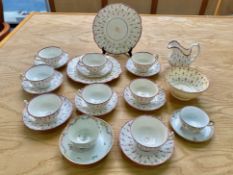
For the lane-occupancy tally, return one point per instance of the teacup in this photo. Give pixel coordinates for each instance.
(149, 133)
(44, 108)
(143, 90)
(96, 95)
(39, 76)
(84, 132)
(50, 55)
(194, 119)
(144, 60)
(94, 62)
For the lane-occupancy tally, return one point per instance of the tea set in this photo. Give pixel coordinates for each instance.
(146, 140)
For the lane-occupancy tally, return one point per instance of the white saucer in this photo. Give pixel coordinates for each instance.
(54, 84)
(62, 62)
(91, 155)
(75, 75)
(84, 71)
(83, 107)
(63, 115)
(158, 101)
(153, 70)
(202, 136)
(147, 158)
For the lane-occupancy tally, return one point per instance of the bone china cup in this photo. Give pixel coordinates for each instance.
(143, 90)
(39, 76)
(149, 133)
(96, 95)
(84, 132)
(50, 55)
(194, 119)
(143, 60)
(44, 108)
(94, 62)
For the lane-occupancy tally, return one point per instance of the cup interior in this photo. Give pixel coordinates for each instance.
(39, 72)
(85, 130)
(149, 131)
(144, 88)
(44, 105)
(94, 59)
(50, 52)
(97, 93)
(194, 117)
(143, 58)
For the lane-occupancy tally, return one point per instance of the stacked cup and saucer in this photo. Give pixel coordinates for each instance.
(146, 141)
(40, 79)
(46, 111)
(143, 64)
(86, 140)
(144, 95)
(192, 124)
(53, 56)
(93, 68)
(96, 99)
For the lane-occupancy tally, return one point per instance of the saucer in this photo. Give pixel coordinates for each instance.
(63, 115)
(84, 71)
(147, 158)
(158, 101)
(83, 107)
(62, 62)
(75, 75)
(87, 156)
(204, 135)
(153, 70)
(54, 84)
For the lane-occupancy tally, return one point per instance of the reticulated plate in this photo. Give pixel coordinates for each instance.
(117, 28)
(75, 75)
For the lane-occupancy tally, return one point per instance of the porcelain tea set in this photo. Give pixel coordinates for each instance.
(87, 139)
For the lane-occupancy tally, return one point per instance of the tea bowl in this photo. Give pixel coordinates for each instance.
(144, 60)
(44, 108)
(149, 133)
(194, 119)
(84, 132)
(39, 76)
(186, 83)
(143, 90)
(50, 55)
(96, 95)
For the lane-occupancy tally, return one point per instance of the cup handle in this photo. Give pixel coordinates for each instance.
(80, 61)
(211, 123)
(109, 61)
(156, 57)
(22, 77)
(197, 46)
(25, 102)
(171, 134)
(79, 93)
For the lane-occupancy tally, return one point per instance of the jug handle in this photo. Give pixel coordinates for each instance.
(196, 45)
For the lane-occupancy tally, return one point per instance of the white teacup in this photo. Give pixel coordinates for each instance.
(194, 119)
(39, 76)
(84, 132)
(149, 133)
(144, 60)
(96, 95)
(50, 55)
(44, 108)
(143, 90)
(94, 62)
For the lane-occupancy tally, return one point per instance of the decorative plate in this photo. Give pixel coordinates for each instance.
(75, 75)
(158, 101)
(84, 71)
(83, 107)
(91, 155)
(147, 158)
(153, 70)
(62, 62)
(63, 115)
(117, 28)
(204, 135)
(54, 84)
